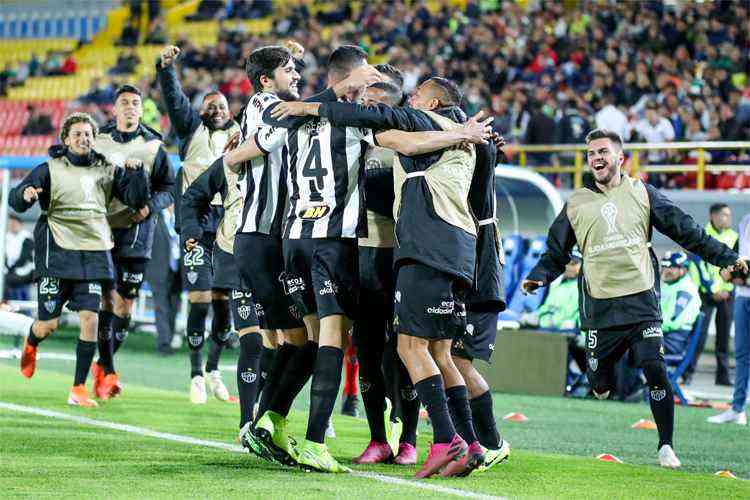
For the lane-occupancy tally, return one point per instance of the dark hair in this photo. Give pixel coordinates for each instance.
(603, 133)
(392, 92)
(74, 118)
(395, 75)
(128, 89)
(450, 94)
(263, 61)
(212, 93)
(346, 58)
(717, 207)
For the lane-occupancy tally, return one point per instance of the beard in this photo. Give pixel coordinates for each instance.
(289, 95)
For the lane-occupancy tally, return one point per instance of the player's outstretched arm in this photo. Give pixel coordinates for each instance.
(182, 116)
(162, 182)
(560, 242)
(196, 201)
(681, 228)
(33, 187)
(242, 153)
(476, 131)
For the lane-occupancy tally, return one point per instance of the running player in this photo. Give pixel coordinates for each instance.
(435, 257)
(203, 136)
(133, 230)
(72, 238)
(611, 219)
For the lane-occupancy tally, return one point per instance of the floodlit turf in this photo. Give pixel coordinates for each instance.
(552, 453)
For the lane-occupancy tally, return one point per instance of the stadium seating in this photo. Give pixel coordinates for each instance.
(514, 247)
(519, 302)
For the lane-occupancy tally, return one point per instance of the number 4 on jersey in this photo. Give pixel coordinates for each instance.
(313, 170)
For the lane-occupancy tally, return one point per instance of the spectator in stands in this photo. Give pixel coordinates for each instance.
(53, 63)
(207, 9)
(130, 34)
(612, 118)
(19, 260)
(250, 9)
(157, 32)
(101, 92)
(69, 65)
(716, 294)
(541, 129)
(126, 63)
(737, 414)
(680, 302)
(38, 123)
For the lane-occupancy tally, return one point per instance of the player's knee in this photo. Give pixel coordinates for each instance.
(199, 296)
(655, 373)
(195, 340)
(295, 336)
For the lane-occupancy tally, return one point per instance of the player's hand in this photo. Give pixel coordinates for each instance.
(133, 164)
(362, 77)
(190, 244)
(233, 142)
(297, 50)
(741, 265)
(498, 140)
(477, 129)
(293, 108)
(529, 287)
(169, 55)
(31, 194)
(140, 215)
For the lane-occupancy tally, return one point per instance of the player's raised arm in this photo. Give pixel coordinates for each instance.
(181, 114)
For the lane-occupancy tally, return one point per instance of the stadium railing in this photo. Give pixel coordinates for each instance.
(701, 167)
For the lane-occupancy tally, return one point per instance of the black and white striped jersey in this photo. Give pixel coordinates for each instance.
(326, 181)
(262, 181)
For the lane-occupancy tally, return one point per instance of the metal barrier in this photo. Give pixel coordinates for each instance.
(701, 167)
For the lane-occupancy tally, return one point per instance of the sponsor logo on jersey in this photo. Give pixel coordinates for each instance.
(329, 288)
(248, 376)
(315, 213)
(658, 395)
(95, 288)
(192, 277)
(593, 364)
(445, 307)
(652, 331)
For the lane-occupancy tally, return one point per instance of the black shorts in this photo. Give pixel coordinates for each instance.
(322, 275)
(226, 275)
(376, 269)
(426, 303)
(129, 273)
(54, 293)
(244, 310)
(375, 315)
(478, 341)
(604, 348)
(260, 261)
(197, 266)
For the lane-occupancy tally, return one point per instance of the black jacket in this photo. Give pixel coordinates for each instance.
(185, 121)
(422, 236)
(50, 260)
(137, 240)
(196, 201)
(669, 220)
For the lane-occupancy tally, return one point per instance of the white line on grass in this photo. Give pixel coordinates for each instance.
(142, 431)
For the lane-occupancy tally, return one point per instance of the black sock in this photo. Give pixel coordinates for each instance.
(119, 333)
(248, 376)
(661, 399)
(104, 341)
(325, 387)
(284, 353)
(372, 387)
(484, 421)
(32, 339)
(84, 356)
(220, 323)
(214, 353)
(298, 372)
(458, 406)
(196, 327)
(267, 356)
(410, 406)
(432, 394)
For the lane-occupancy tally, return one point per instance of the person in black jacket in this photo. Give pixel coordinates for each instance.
(19, 260)
(73, 238)
(611, 219)
(133, 230)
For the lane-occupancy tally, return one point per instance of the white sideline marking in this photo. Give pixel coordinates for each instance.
(142, 431)
(16, 354)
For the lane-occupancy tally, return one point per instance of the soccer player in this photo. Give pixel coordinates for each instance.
(435, 256)
(483, 303)
(611, 219)
(133, 230)
(73, 239)
(203, 136)
(196, 200)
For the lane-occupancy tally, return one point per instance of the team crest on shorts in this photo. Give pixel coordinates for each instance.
(50, 305)
(249, 376)
(470, 329)
(593, 364)
(658, 395)
(244, 311)
(192, 277)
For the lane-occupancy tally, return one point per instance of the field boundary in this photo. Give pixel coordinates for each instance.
(178, 438)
